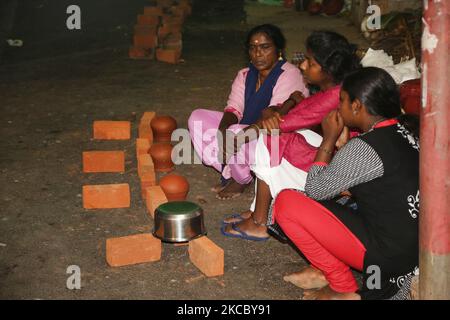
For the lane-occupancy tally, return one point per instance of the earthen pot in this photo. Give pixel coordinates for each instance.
(332, 7)
(162, 127)
(175, 187)
(410, 96)
(161, 154)
(314, 8)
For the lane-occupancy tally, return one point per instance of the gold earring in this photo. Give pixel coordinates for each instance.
(280, 56)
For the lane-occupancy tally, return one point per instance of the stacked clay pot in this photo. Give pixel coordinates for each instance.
(314, 8)
(161, 154)
(162, 127)
(175, 187)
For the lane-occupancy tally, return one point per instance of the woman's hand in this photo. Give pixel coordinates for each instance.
(343, 138)
(297, 96)
(272, 123)
(267, 113)
(332, 126)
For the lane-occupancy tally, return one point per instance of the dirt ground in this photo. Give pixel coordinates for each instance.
(48, 105)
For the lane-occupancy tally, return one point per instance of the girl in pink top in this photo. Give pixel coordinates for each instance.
(268, 81)
(329, 58)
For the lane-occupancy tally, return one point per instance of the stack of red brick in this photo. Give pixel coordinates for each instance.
(158, 31)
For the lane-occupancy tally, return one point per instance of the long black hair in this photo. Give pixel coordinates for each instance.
(271, 31)
(334, 53)
(378, 92)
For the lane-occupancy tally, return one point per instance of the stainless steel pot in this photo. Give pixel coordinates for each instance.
(179, 221)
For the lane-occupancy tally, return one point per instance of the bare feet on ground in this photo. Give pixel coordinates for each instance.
(231, 191)
(326, 293)
(218, 187)
(308, 278)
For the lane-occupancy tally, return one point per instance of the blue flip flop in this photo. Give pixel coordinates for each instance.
(241, 234)
(234, 216)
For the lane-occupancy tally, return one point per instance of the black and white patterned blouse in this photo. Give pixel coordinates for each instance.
(381, 170)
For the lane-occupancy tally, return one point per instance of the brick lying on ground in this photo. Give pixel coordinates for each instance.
(112, 130)
(133, 249)
(141, 53)
(146, 41)
(145, 164)
(154, 198)
(207, 256)
(153, 11)
(142, 146)
(145, 130)
(106, 196)
(147, 20)
(168, 55)
(148, 179)
(142, 29)
(103, 161)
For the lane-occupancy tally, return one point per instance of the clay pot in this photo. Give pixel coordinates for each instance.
(161, 154)
(162, 127)
(314, 8)
(175, 187)
(410, 96)
(332, 7)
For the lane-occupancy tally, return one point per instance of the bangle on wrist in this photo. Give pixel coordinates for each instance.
(255, 126)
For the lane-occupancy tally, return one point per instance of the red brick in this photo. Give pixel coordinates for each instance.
(173, 41)
(106, 196)
(146, 41)
(103, 161)
(141, 53)
(142, 146)
(178, 11)
(133, 249)
(186, 7)
(168, 55)
(164, 3)
(145, 130)
(144, 29)
(153, 10)
(148, 179)
(207, 256)
(154, 198)
(145, 164)
(112, 130)
(147, 20)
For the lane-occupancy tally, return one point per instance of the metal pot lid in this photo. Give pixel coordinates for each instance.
(178, 209)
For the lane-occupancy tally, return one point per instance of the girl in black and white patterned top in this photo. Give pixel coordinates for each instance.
(380, 168)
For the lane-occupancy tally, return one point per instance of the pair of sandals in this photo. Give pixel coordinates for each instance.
(240, 233)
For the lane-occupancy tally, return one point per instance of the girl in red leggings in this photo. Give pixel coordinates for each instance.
(380, 168)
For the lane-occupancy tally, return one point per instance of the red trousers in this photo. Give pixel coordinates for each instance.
(324, 240)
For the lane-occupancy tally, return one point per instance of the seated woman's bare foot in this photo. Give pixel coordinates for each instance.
(242, 216)
(218, 187)
(250, 228)
(231, 190)
(326, 293)
(308, 278)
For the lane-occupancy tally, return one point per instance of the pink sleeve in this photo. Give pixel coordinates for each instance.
(236, 99)
(289, 81)
(311, 110)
